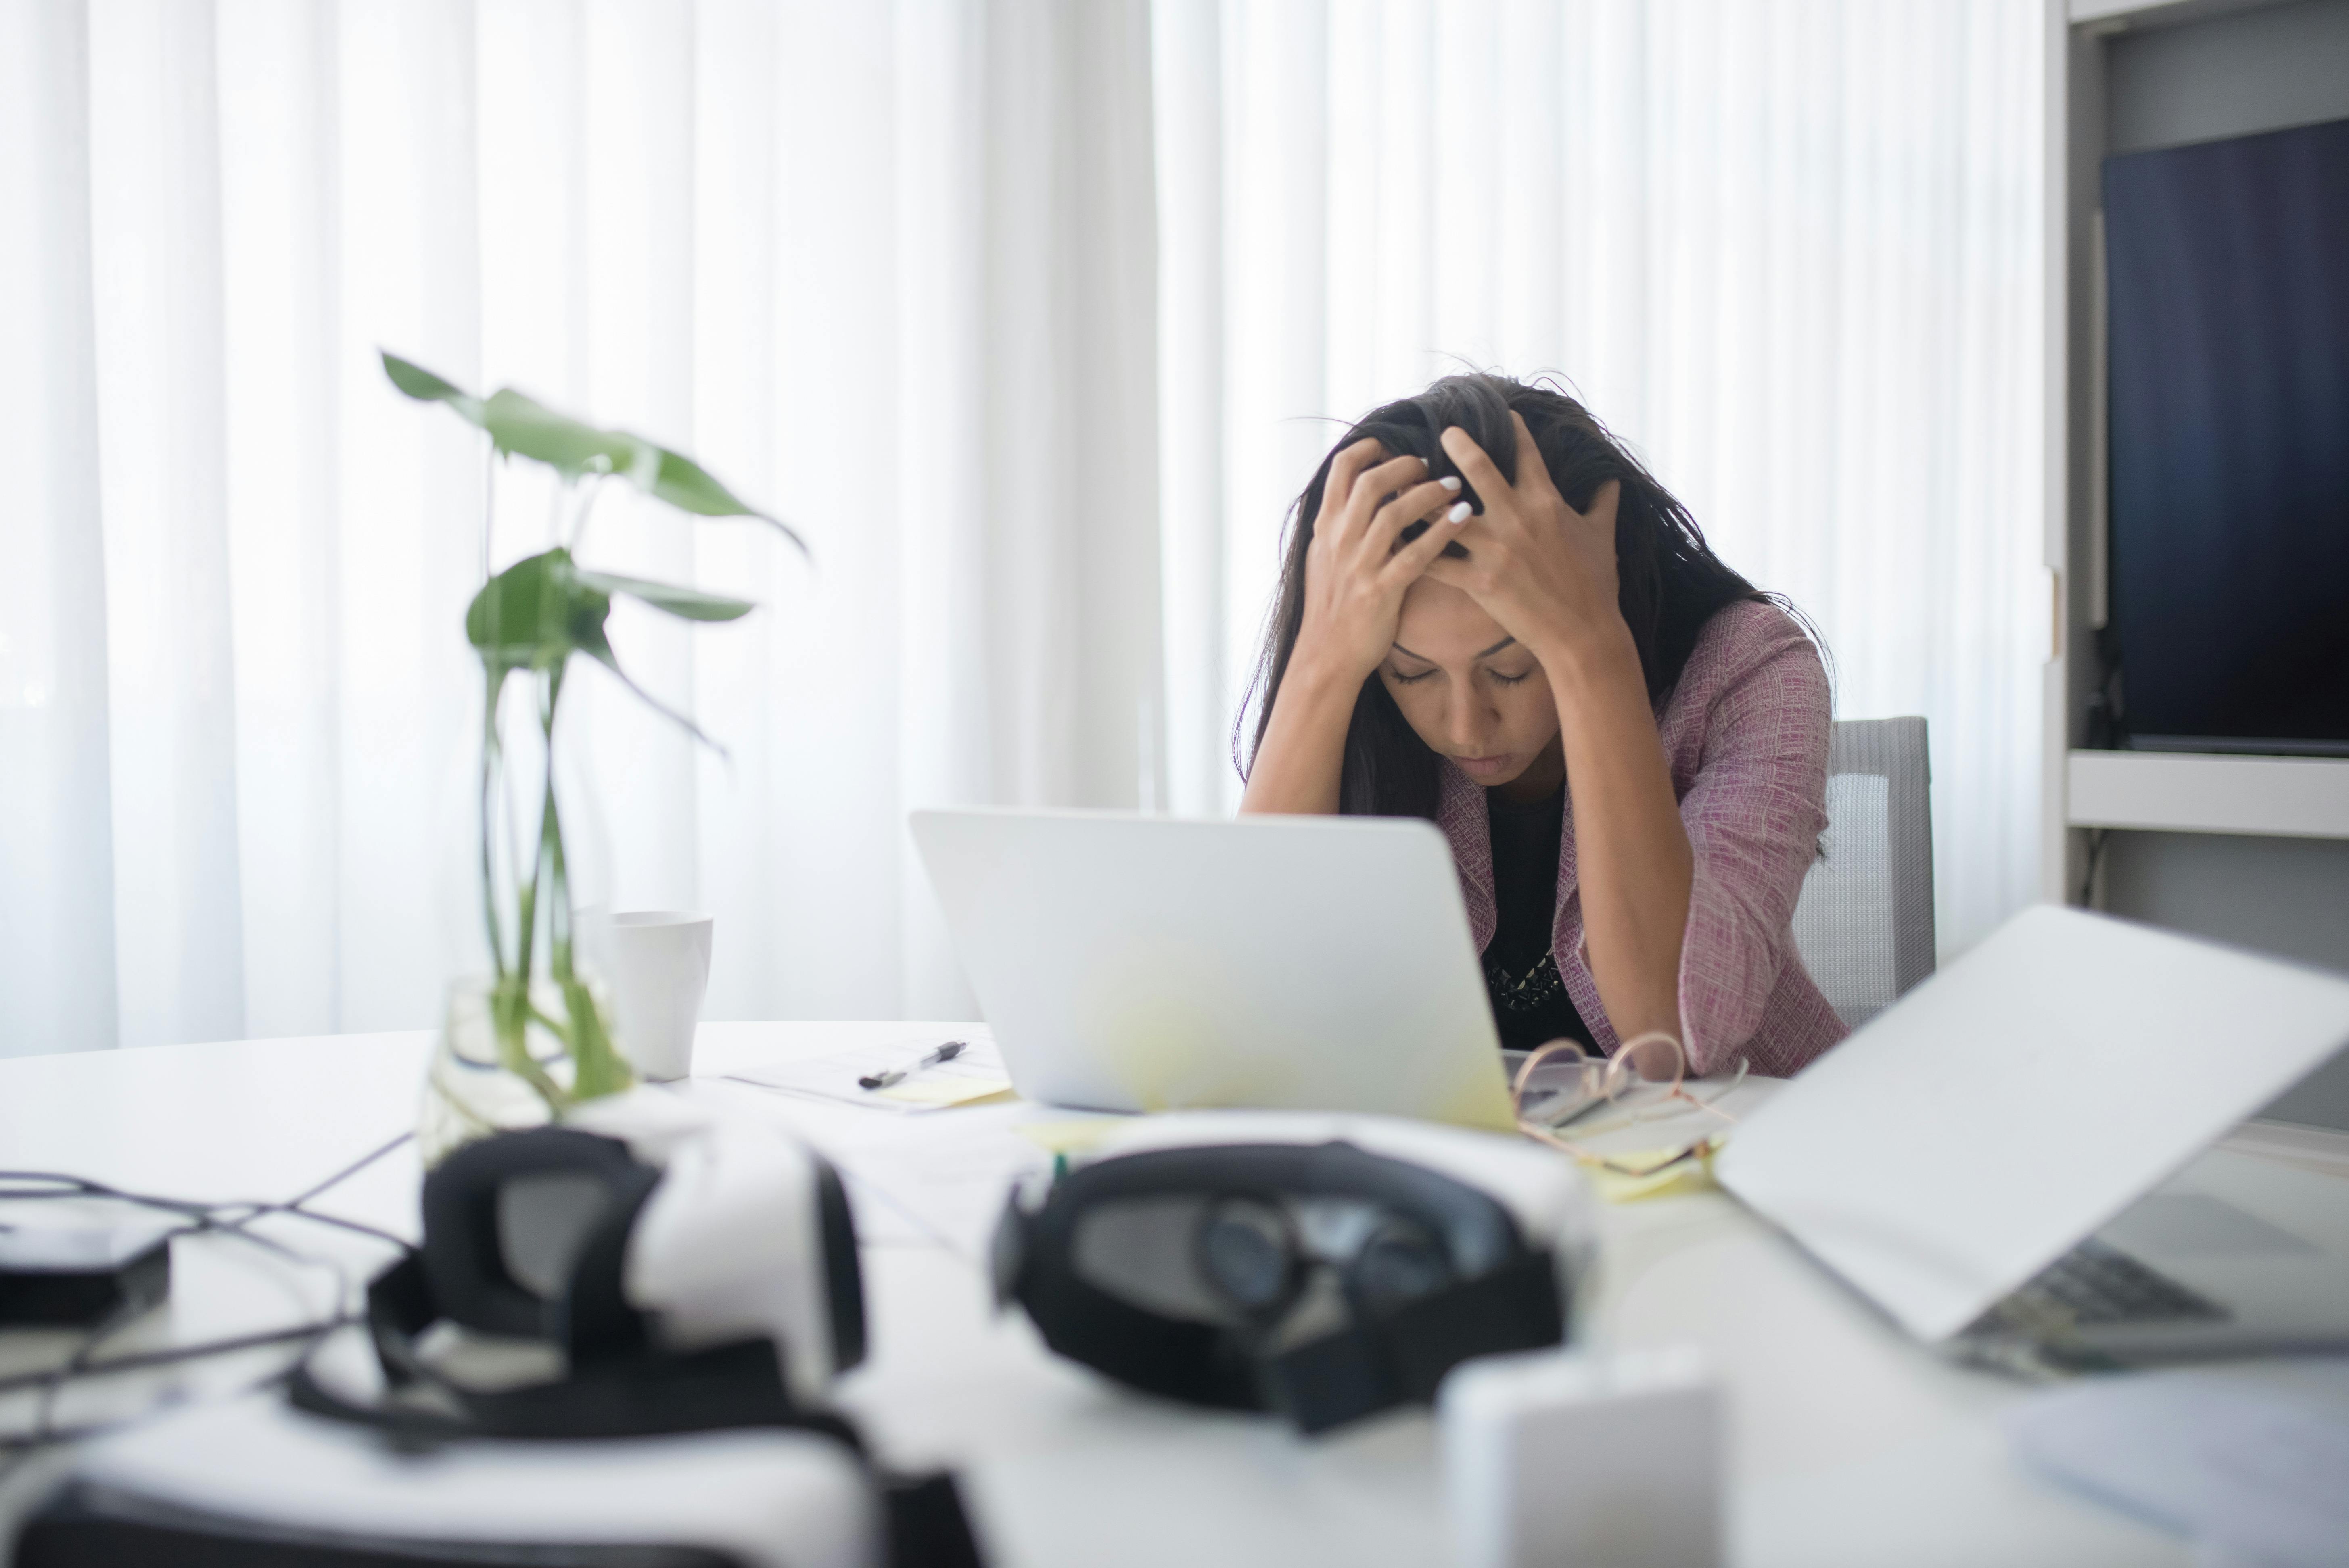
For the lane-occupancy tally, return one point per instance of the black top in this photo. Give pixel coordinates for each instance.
(1529, 1000)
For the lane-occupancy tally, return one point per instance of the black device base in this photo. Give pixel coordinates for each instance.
(38, 1292)
(86, 1526)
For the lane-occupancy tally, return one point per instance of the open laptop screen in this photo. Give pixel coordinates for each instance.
(2019, 1099)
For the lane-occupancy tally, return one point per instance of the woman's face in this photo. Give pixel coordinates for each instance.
(1470, 690)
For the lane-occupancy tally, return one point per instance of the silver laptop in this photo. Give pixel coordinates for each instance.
(1134, 963)
(1986, 1160)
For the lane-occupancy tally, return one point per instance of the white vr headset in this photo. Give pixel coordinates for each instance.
(679, 1288)
(695, 1272)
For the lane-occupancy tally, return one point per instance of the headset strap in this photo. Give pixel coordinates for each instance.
(728, 1387)
(1380, 1360)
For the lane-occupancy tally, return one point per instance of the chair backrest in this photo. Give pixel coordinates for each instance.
(1864, 923)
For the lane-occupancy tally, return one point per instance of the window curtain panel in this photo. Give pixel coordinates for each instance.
(886, 269)
(1789, 250)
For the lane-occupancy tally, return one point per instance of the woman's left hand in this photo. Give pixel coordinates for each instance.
(1543, 570)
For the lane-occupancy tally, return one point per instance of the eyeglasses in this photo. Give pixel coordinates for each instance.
(1599, 1081)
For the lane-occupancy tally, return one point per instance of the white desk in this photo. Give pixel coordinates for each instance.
(1848, 1445)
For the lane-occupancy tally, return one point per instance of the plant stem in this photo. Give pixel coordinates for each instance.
(597, 1068)
(555, 512)
(550, 841)
(509, 1014)
(587, 494)
(548, 830)
(489, 503)
(558, 891)
(489, 797)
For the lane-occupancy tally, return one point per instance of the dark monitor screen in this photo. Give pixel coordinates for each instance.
(2227, 269)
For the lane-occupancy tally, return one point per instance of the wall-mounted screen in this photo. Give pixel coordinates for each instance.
(2228, 290)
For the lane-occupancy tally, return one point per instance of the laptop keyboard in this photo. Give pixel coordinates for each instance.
(2094, 1284)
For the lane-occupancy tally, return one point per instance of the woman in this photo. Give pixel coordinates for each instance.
(1492, 616)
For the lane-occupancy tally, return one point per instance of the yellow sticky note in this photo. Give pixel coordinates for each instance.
(938, 1089)
(1653, 1172)
(1071, 1137)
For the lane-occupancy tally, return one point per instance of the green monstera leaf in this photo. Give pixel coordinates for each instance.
(521, 426)
(531, 616)
(688, 603)
(524, 426)
(426, 387)
(542, 608)
(688, 487)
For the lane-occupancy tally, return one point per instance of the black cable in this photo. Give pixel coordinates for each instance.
(203, 1216)
(373, 1233)
(295, 1206)
(143, 1360)
(52, 1381)
(44, 1430)
(43, 1433)
(200, 1216)
(207, 1214)
(348, 1171)
(24, 1446)
(232, 1218)
(44, 1409)
(64, 1186)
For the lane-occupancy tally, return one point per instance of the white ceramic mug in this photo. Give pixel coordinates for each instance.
(657, 963)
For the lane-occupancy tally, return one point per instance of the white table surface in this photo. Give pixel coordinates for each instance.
(1848, 1445)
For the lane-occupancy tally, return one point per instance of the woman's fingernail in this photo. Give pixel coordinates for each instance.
(1449, 481)
(1459, 512)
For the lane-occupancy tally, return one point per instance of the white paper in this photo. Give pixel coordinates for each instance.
(2253, 1463)
(946, 1176)
(977, 1072)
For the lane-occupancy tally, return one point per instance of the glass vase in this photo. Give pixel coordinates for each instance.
(522, 1042)
(473, 1087)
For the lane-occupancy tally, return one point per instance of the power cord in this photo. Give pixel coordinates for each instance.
(353, 1169)
(232, 1219)
(146, 1360)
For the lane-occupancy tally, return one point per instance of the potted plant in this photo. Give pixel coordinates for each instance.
(533, 1038)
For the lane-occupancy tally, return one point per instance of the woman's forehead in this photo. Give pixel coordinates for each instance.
(1442, 623)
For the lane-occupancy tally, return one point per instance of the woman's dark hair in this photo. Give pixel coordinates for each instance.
(1671, 581)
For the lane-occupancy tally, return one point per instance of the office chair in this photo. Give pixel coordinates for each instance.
(1864, 923)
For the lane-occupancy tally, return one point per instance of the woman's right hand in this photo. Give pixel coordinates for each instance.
(1355, 577)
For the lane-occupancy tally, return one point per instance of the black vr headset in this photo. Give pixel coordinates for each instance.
(1323, 1269)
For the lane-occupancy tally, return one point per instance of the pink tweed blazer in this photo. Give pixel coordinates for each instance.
(1745, 732)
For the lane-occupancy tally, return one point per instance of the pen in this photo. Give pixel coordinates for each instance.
(945, 1053)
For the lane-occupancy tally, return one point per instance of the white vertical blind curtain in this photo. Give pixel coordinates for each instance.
(933, 280)
(887, 269)
(57, 927)
(1788, 249)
